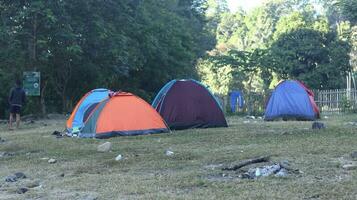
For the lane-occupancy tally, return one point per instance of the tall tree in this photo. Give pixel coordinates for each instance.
(349, 9)
(321, 60)
(80, 45)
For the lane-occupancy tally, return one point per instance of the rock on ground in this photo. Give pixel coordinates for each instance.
(318, 125)
(354, 155)
(6, 154)
(20, 175)
(32, 184)
(51, 161)
(169, 153)
(15, 177)
(21, 190)
(119, 157)
(350, 166)
(11, 178)
(105, 147)
(90, 197)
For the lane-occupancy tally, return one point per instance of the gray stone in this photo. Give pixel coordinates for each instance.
(11, 178)
(6, 154)
(247, 175)
(52, 161)
(318, 125)
(351, 123)
(32, 184)
(105, 147)
(282, 173)
(354, 155)
(20, 175)
(350, 166)
(284, 164)
(21, 190)
(169, 153)
(90, 197)
(119, 157)
(267, 170)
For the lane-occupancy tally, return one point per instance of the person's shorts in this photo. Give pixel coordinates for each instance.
(15, 109)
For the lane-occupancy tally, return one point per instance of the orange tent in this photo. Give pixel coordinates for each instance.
(122, 114)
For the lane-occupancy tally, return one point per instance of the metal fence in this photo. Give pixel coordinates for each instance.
(340, 100)
(329, 101)
(254, 103)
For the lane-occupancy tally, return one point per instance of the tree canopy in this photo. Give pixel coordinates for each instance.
(281, 39)
(138, 45)
(80, 45)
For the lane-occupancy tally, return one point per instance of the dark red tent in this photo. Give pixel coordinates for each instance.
(188, 104)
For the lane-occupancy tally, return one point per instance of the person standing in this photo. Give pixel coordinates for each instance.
(17, 100)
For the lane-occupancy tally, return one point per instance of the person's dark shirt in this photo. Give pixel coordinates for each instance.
(17, 96)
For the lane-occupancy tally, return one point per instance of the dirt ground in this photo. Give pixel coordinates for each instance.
(194, 171)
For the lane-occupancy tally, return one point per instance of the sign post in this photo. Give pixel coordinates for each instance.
(31, 83)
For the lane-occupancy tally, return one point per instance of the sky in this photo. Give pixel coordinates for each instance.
(245, 4)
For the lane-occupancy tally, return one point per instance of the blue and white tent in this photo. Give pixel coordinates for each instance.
(84, 107)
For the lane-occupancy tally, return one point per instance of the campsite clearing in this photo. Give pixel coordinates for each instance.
(194, 171)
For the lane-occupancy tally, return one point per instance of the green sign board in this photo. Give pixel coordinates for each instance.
(31, 83)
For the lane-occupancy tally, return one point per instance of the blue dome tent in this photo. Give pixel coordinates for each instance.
(291, 99)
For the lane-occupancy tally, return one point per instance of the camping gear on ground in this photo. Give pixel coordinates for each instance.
(122, 114)
(291, 99)
(236, 100)
(188, 104)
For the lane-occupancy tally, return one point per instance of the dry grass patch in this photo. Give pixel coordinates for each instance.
(193, 172)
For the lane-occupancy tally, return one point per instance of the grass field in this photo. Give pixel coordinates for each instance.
(193, 172)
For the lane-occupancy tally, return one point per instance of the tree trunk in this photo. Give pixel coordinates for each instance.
(249, 105)
(42, 99)
(64, 101)
(33, 54)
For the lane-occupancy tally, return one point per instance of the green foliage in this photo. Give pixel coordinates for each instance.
(220, 79)
(349, 9)
(301, 20)
(280, 40)
(345, 104)
(137, 46)
(318, 59)
(79, 45)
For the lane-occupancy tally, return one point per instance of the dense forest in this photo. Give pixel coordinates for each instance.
(139, 45)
